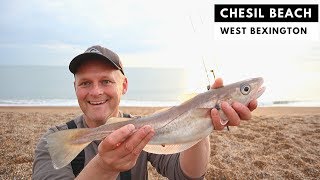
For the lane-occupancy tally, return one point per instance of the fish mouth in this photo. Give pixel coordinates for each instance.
(261, 88)
(260, 92)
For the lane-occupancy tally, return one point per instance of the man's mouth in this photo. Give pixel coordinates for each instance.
(97, 102)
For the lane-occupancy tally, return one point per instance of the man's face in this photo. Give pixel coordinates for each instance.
(99, 88)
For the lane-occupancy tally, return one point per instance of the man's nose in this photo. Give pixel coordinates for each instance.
(96, 90)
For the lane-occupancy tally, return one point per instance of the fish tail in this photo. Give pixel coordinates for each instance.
(64, 146)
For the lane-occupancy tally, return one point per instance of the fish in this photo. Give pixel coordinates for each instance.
(176, 128)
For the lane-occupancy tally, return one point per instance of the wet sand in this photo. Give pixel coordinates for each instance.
(278, 143)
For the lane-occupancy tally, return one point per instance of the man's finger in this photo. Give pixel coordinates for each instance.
(132, 142)
(216, 120)
(112, 140)
(217, 83)
(137, 150)
(133, 154)
(242, 110)
(234, 119)
(143, 143)
(253, 105)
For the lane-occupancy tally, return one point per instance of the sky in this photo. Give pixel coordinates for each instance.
(163, 33)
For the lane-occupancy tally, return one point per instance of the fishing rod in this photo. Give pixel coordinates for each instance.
(214, 78)
(203, 61)
(204, 64)
(206, 71)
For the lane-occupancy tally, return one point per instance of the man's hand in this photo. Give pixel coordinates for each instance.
(194, 161)
(118, 152)
(234, 113)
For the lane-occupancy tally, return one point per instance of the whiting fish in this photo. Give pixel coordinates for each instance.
(176, 129)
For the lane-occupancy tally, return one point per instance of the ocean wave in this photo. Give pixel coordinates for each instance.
(74, 102)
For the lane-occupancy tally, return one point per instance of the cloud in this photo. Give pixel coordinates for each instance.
(145, 32)
(128, 27)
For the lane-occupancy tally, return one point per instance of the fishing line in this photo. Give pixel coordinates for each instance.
(203, 61)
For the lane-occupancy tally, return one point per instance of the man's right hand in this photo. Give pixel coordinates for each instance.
(118, 152)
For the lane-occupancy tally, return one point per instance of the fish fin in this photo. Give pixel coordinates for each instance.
(117, 119)
(200, 112)
(205, 112)
(62, 146)
(223, 118)
(169, 148)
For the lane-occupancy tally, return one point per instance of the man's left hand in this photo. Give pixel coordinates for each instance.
(234, 112)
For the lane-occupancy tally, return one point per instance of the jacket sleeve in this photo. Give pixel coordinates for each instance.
(42, 164)
(169, 166)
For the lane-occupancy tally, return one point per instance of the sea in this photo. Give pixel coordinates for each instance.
(53, 86)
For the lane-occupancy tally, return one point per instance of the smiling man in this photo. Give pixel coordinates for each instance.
(99, 84)
(99, 89)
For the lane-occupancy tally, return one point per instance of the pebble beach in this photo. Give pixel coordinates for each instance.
(277, 143)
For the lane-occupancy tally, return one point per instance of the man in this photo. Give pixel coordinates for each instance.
(99, 84)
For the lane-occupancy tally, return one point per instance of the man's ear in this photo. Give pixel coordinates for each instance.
(124, 86)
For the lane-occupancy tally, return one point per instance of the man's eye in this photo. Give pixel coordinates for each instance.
(106, 82)
(85, 84)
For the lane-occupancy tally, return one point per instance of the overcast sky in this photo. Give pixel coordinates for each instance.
(167, 33)
(50, 32)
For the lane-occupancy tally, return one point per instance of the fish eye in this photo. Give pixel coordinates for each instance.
(245, 89)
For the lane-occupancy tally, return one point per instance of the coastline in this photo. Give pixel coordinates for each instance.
(275, 110)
